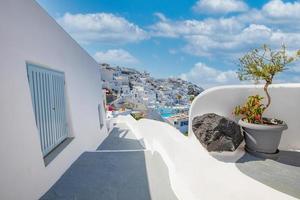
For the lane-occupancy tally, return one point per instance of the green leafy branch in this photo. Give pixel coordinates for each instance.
(261, 65)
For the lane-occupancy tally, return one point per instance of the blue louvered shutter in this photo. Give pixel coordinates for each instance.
(48, 99)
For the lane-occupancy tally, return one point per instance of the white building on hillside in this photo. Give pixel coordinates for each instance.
(125, 90)
(107, 73)
(179, 121)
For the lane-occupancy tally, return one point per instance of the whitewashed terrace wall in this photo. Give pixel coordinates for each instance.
(197, 174)
(194, 173)
(28, 34)
(284, 106)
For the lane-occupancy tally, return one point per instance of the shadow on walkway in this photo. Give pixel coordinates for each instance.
(282, 174)
(107, 176)
(137, 175)
(121, 138)
(117, 175)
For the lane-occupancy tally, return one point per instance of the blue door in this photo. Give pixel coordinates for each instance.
(47, 89)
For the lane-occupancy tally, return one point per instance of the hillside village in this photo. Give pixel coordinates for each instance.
(127, 87)
(167, 100)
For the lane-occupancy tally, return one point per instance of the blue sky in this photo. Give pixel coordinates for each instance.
(197, 40)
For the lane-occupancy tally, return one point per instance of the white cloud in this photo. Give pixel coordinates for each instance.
(101, 27)
(115, 57)
(227, 37)
(220, 6)
(206, 76)
(160, 16)
(280, 9)
(179, 28)
(248, 38)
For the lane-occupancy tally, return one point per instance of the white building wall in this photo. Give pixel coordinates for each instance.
(125, 89)
(28, 34)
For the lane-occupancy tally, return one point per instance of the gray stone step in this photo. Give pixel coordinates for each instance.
(133, 175)
(121, 138)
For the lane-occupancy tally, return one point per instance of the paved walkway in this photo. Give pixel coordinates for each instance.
(121, 169)
(282, 174)
(121, 138)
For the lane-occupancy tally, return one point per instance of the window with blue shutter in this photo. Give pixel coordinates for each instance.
(47, 89)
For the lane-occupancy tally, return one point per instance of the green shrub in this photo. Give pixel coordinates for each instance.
(137, 116)
(261, 65)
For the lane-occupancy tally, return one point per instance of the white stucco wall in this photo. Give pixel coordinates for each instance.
(194, 173)
(197, 174)
(28, 34)
(284, 106)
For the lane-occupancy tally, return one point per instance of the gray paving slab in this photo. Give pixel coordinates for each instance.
(282, 174)
(121, 138)
(107, 176)
(116, 175)
(137, 175)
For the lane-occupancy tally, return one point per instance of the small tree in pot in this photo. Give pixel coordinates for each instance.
(262, 135)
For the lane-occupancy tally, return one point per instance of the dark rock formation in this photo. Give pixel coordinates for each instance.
(217, 133)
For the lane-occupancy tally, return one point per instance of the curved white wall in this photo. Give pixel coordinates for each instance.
(195, 174)
(284, 106)
(28, 34)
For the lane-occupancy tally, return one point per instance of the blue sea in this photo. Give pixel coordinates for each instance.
(167, 115)
(166, 112)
